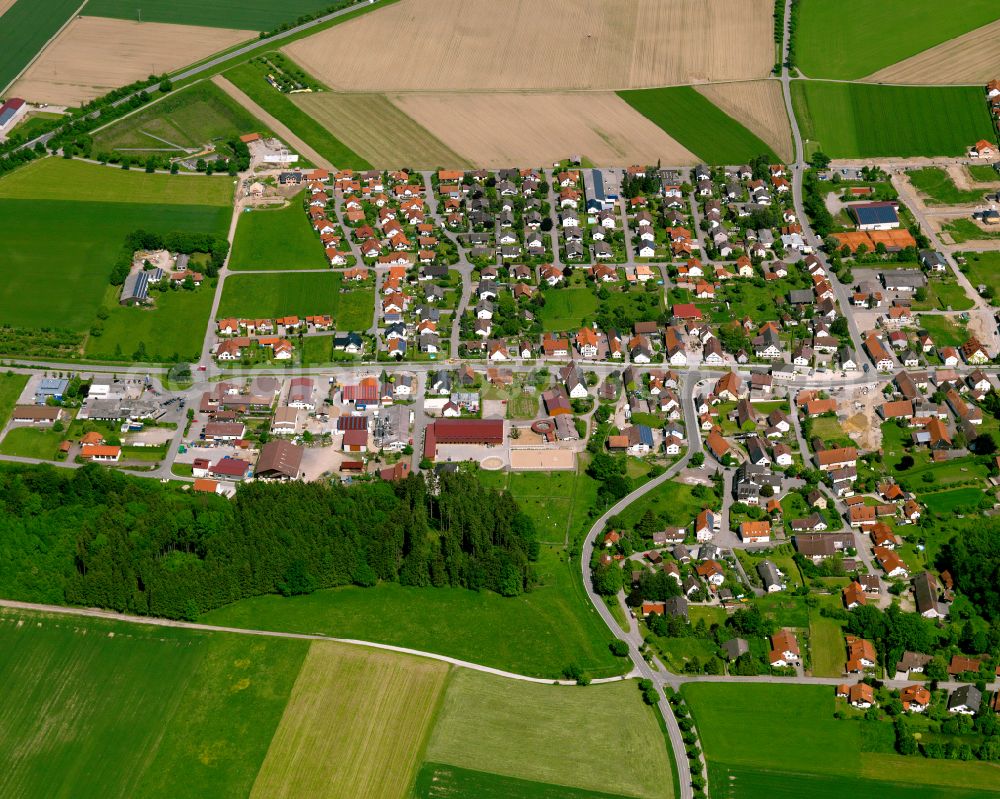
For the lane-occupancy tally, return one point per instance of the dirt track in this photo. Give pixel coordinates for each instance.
(94, 55)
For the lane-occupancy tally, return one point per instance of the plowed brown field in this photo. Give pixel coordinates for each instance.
(972, 58)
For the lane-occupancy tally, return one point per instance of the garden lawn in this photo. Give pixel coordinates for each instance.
(983, 268)
(27, 26)
(854, 38)
(944, 295)
(826, 643)
(61, 280)
(104, 710)
(673, 503)
(186, 118)
(549, 734)
(272, 295)
(700, 126)
(566, 309)
(32, 442)
(852, 120)
(11, 386)
(940, 188)
(172, 330)
(277, 239)
(946, 502)
(263, 15)
(251, 79)
(830, 431)
(60, 179)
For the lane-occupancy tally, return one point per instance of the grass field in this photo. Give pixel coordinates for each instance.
(670, 500)
(549, 734)
(944, 294)
(438, 781)
(565, 309)
(944, 331)
(59, 179)
(698, 125)
(251, 14)
(251, 79)
(379, 131)
(853, 38)
(30, 125)
(963, 230)
(32, 442)
(354, 726)
(273, 295)
(537, 634)
(61, 280)
(101, 709)
(983, 174)
(826, 642)
(355, 309)
(27, 26)
(173, 329)
(940, 188)
(190, 117)
(850, 120)
(949, 501)
(11, 386)
(983, 268)
(277, 239)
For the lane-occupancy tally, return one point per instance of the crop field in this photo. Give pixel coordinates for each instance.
(102, 710)
(847, 120)
(526, 44)
(250, 80)
(27, 26)
(971, 58)
(566, 309)
(61, 280)
(537, 634)
(697, 124)
(378, 131)
(59, 179)
(354, 725)
(438, 781)
(495, 129)
(854, 38)
(94, 55)
(173, 329)
(260, 15)
(277, 238)
(187, 118)
(549, 734)
(11, 386)
(272, 295)
(940, 189)
(760, 106)
(799, 749)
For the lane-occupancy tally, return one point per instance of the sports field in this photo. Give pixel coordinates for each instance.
(272, 295)
(68, 73)
(850, 120)
(187, 118)
(549, 734)
(698, 125)
(378, 131)
(250, 79)
(260, 15)
(277, 238)
(100, 709)
(797, 748)
(354, 726)
(530, 44)
(853, 38)
(27, 26)
(61, 179)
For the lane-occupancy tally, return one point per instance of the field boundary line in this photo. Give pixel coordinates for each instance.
(154, 621)
(75, 15)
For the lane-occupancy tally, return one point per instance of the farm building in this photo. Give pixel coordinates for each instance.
(482, 432)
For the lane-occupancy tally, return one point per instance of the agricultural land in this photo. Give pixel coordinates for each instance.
(276, 238)
(258, 15)
(27, 26)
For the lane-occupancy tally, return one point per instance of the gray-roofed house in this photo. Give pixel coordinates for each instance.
(770, 576)
(135, 290)
(966, 699)
(735, 647)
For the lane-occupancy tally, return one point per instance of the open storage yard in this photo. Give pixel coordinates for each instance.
(94, 55)
(498, 129)
(552, 44)
(850, 120)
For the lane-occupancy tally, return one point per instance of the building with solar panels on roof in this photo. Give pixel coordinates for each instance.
(875, 216)
(135, 289)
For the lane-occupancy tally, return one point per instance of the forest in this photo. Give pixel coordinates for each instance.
(101, 538)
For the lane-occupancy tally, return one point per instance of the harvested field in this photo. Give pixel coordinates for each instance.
(971, 58)
(94, 55)
(760, 106)
(378, 131)
(529, 44)
(4, 5)
(494, 130)
(354, 726)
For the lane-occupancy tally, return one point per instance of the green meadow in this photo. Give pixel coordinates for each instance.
(853, 120)
(260, 15)
(27, 26)
(565, 309)
(272, 295)
(277, 239)
(698, 124)
(11, 386)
